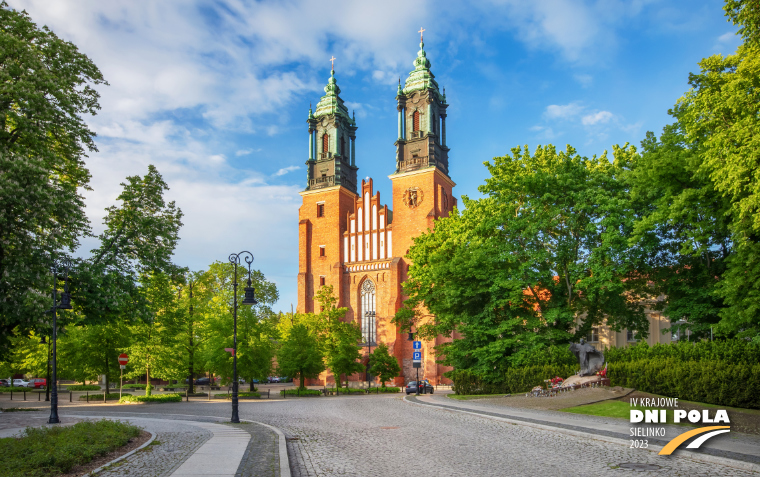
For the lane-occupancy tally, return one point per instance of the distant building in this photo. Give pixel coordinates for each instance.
(348, 238)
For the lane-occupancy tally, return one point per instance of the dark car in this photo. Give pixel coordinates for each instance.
(425, 387)
(203, 381)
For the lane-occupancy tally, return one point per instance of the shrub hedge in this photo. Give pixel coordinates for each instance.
(300, 392)
(152, 398)
(515, 380)
(729, 351)
(712, 382)
(98, 397)
(83, 387)
(136, 386)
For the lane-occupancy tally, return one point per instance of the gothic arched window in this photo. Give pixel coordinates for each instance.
(416, 121)
(325, 142)
(369, 325)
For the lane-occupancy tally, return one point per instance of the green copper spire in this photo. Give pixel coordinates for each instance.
(421, 78)
(400, 91)
(331, 103)
(311, 115)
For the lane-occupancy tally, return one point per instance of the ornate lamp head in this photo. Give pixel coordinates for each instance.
(65, 298)
(249, 298)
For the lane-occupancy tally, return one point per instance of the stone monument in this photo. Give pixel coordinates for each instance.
(590, 359)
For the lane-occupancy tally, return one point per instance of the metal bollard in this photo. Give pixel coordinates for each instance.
(38, 396)
(88, 396)
(187, 395)
(70, 393)
(24, 394)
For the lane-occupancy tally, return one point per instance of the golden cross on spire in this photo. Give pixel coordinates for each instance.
(332, 62)
(420, 32)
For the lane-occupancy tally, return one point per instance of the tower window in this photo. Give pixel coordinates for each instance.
(321, 250)
(325, 142)
(320, 210)
(342, 146)
(435, 130)
(416, 121)
(321, 281)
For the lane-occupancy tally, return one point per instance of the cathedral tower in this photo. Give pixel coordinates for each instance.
(422, 188)
(329, 196)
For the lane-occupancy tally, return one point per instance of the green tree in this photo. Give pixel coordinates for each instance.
(540, 259)
(153, 341)
(686, 223)
(300, 355)
(339, 339)
(383, 364)
(256, 324)
(46, 85)
(89, 351)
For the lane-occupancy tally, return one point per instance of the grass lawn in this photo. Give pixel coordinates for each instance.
(617, 409)
(467, 397)
(49, 451)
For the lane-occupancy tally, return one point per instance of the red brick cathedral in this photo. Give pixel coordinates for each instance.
(349, 239)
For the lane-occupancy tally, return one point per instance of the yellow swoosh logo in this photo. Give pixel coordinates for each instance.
(680, 439)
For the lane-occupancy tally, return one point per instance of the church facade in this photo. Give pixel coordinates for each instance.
(349, 239)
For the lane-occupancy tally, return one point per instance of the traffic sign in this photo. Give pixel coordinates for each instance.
(417, 356)
(123, 359)
(122, 366)
(417, 344)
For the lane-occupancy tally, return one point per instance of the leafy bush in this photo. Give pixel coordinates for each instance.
(301, 392)
(16, 389)
(733, 351)
(83, 387)
(49, 451)
(98, 397)
(712, 382)
(136, 386)
(240, 395)
(174, 397)
(346, 390)
(390, 389)
(515, 380)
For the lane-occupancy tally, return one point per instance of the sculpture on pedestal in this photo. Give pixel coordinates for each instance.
(590, 359)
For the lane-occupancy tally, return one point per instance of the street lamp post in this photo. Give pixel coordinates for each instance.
(248, 299)
(64, 265)
(370, 316)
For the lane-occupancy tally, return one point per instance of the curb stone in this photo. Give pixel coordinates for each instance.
(707, 458)
(146, 444)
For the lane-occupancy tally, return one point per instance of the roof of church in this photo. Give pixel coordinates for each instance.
(331, 103)
(421, 78)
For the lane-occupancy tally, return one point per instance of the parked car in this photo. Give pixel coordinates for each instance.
(274, 379)
(37, 383)
(425, 387)
(20, 383)
(203, 381)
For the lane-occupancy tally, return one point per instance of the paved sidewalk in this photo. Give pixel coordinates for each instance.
(219, 456)
(735, 446)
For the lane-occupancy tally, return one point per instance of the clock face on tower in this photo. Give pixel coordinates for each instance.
(413, 197)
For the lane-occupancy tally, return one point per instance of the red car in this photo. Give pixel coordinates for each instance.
(37, 383)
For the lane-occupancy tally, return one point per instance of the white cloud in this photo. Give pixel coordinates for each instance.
(285, 170)
(245, 152)
(584, 80)
(565, 111)
(598, 117)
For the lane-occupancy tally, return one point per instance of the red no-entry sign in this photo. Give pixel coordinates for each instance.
(123, 359)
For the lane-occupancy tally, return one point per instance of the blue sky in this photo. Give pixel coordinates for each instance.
(216, 94)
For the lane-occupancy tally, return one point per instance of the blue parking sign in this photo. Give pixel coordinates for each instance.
(417, 344)
(417, 356)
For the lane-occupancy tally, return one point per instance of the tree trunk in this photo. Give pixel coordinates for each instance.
(107, 383)
(147, 380)
(190, 382)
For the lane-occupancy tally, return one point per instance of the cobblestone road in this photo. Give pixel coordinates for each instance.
(382, 436)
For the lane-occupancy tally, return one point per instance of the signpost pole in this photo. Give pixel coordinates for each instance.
(123, 360)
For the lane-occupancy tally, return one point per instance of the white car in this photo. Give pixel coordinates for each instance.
(20, 383)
